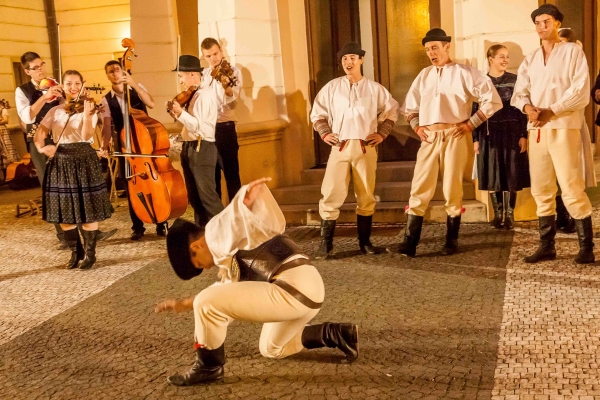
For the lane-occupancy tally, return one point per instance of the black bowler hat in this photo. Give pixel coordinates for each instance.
(179, 238)
(549, 9)
(189, 64)
(350, 48)
(436, 35)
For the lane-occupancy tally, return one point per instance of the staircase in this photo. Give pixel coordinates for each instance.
(300, 203)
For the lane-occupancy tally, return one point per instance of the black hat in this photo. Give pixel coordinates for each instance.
(436, 35)
(178, 248)
(549, 9)
(189, 64)
(350, 48)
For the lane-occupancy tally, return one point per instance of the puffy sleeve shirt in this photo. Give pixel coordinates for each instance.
(354, 110)
(56, 120)
(561, 84)
(227, 104)
(445, 95)
(200, 121)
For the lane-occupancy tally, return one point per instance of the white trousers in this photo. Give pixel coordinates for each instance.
(350, 162)
(556, 155)
(283, 316)
(445, 153)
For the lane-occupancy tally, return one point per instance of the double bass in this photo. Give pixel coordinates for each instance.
(156, 190)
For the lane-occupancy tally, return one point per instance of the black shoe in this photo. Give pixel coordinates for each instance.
(89, 245)
(74, 243)
(137, 235)
(546, 250)
(122, 195)
(326, 246)
(510, 200)
(105, 235)
(208, 367)
(332, 335)
(412, 235)
(562, 215)
(585, 234)
(569, 226)
(452, 228)
(363, 225)
(161, 229)
(497, 207)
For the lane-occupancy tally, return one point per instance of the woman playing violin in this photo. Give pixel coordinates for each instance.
(74, 191)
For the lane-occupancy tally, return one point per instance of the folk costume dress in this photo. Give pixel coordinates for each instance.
(8, 154)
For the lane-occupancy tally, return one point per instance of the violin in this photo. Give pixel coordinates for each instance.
(77, 106)
(183, 98)
(224, 69)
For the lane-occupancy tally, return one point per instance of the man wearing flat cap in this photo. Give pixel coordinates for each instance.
(353, 115)
(199, 153)
(438, 108)
(552, 88)
(265, 278)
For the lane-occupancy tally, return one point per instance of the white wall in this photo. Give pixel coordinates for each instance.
(366, 37)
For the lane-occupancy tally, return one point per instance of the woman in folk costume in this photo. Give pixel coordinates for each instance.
(8, 154)
(74, 191)
(501, 144)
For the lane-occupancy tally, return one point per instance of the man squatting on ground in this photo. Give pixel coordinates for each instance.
(438, 107)
(553, 86)
(346, 113)
(264, 278)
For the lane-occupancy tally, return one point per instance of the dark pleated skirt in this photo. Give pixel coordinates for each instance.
(500, 164)
(74, 188)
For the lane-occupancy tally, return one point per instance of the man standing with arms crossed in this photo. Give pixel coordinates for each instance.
(552, 88)
(438, 107)
(227, 93)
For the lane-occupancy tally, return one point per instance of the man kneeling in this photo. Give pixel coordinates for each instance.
(265, 278)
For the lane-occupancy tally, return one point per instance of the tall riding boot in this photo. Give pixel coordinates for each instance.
(510, 200)
(452, 228)
(332, 335)
(546, 249)
(60, 235)
(208, 367)
(497, 205)
(412, 235)
(72, 239)
(585, 234)
(363, 225)
(327, 231)
(89, 242)
(562, 216)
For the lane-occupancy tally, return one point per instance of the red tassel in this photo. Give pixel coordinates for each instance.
(198, 346)
(462, 210)
(406, 208)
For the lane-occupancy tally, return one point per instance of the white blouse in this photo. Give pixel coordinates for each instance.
(354, 110)
(57, 118)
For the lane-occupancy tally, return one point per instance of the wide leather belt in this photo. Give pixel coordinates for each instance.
(295, 293)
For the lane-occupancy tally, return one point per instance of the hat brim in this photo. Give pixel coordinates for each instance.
(178, 248)
(360, 53)
(428, 39)
(188, 69)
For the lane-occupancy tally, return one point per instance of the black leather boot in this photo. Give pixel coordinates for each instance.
(510, 200)
(562, 216)
(89, 245)
(327, 231)
(332, 335)
(546, 250)
(363, 225)
(585, 234)
(497, 206)
(452, 228)
(208, 367)
(73, 241)
(412, 235)
(570, 225)
(60, 235)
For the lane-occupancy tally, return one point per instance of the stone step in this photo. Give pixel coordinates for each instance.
(386, 212)
(398, 171)
(384, 192)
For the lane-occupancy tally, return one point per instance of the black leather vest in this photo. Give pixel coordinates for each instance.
(262, 263)
(33, 95)
(115, 109)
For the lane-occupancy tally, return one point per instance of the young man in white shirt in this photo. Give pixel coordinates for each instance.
(113, 114)
(227, 92)
(199, 152)
(552, 88)
(438, 107)
(353, 115)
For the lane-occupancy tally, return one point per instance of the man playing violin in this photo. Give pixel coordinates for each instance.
(113, 110)
(225, 133)
(199, 152)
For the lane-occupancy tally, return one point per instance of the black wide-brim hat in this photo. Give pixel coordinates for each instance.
(436, 35)
(351, 48)
(549, 9)
(189, 64)
(178, 248)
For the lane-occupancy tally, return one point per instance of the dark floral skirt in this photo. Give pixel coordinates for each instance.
(74, 188)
